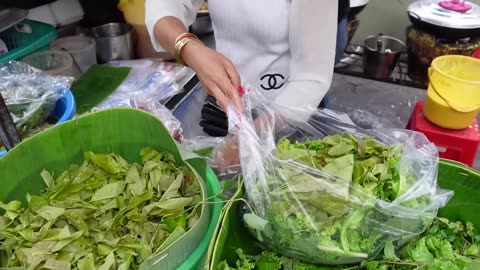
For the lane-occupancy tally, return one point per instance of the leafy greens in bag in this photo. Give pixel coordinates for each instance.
(103, 214)
(332, 193)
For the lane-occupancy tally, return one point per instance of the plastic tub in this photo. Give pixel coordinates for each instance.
(57, 63)
(453, 97)
(64, 110)
(81, 48)
(25, 38)
(58, 147)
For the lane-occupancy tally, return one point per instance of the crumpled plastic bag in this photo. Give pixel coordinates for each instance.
(329, 192)
(149, 84)
(30, 94)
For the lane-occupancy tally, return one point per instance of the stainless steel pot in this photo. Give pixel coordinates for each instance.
(114, 42)
(381, 55)
(440, 18)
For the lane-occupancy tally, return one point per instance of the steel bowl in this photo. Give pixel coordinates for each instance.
(114, 42)
(381, 55)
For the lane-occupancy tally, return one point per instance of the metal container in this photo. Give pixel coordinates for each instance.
(451, 19)
(381, 55)
(114, 41)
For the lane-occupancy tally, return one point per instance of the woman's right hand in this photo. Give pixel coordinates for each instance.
(216, 73)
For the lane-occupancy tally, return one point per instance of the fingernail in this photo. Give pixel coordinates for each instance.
(241, 91)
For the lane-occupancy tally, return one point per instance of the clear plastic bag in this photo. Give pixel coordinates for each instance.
(150, 105)
(153, 77)
(150, 83)
(325, 191)
(30, 94)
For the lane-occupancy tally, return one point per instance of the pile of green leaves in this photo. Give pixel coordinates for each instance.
(446, 245)
(321, 203)
(365, 163)
(104, 214)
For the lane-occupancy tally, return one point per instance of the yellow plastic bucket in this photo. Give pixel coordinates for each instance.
(453, 97)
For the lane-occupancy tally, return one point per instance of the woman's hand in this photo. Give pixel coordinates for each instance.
(217, 74)
(227, 156)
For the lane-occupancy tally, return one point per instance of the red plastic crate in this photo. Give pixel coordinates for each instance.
(476, 54)
(458, 145)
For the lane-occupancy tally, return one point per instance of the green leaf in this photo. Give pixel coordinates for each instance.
(173, 223)
(11, 206)
(50, 213)
(389, 251)
(104, 161)
(36, 202)
(86, 263)
(109, 263)
(109, 191)
(340, 149)
(341, 167)
(421, 253)
(137, 185)
(47, 178)
(172, 204)
(174, 236)
(64, 241)
(57, 265)
(172, 191)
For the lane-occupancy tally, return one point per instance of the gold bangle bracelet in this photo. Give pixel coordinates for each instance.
(179, 47)
(184, 35)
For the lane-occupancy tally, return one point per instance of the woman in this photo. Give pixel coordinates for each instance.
(284, 48)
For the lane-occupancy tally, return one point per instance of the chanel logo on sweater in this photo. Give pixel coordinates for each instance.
(272, 81)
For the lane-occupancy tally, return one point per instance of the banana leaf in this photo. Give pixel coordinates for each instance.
(121, 131)
(465, 182)
(230, 233)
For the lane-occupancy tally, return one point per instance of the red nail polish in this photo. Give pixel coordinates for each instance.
(241, 91)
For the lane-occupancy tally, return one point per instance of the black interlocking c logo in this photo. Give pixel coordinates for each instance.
(272, 82)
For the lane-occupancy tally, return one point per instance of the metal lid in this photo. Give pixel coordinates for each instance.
(11, 16)
(447, 13)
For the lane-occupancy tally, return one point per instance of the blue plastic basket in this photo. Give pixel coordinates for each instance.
(64, 110)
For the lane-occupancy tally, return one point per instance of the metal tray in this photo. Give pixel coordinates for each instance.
(11, 16)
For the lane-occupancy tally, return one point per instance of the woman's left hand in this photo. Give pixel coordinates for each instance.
(226, 157)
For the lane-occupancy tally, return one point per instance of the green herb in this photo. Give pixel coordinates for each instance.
(324, 211)
(446, 245)
(103, 214)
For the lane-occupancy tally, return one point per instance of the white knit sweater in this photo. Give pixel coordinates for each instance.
(285, 48)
